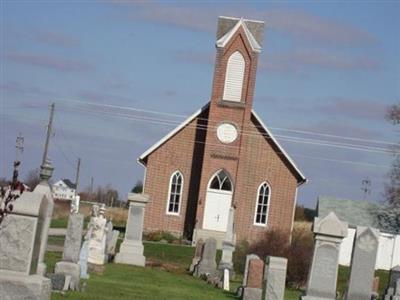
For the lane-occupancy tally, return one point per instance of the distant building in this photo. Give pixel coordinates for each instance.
(223, 156)
(64, 190)
(362, 213)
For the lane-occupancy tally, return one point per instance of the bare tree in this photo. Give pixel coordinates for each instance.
(32, 179)
(392, 187)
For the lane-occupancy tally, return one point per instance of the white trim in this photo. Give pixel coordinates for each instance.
(294, 211)
(255, 46)
(278, 145)
(169, 194)
(268, 205)
(171, 134)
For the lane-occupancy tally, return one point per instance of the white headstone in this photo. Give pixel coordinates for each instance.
(322, 277)
(226, 280)
(363, 262)
(131, 251)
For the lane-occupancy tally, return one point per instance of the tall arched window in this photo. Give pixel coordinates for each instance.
(221, 181)
(234, 77)
(262, 205)
(175, 193)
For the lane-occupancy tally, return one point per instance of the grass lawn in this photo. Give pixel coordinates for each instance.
(169, 280)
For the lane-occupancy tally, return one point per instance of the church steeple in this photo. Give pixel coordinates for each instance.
(238, 45)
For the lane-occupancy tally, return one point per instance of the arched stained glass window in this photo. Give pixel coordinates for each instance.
(262, 205)
(175, 193)
(221, 181)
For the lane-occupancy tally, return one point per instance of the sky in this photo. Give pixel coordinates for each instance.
(123, 74)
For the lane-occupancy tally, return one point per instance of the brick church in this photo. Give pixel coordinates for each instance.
(223, 155)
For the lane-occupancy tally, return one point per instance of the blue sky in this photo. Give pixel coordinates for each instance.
(329, 68)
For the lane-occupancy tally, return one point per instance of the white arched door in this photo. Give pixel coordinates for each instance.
(218, 202)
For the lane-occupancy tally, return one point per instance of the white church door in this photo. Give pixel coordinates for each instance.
(218, 202)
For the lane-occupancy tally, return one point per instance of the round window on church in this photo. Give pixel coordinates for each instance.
(227, 133)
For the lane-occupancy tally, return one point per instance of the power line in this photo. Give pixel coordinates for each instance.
(275, 128)
(284, 138)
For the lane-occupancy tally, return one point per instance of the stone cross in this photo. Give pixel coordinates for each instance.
(20, 244)
(363, 262)
(322, 277)
(207, 264)
(131, 251)
(253, 288)
(197, 254)
(274, 278)
(69, 265)
(228, 246)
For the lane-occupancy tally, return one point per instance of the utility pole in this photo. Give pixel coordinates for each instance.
(77, 176)
(19, 147)
(49, 131)
(91, 188)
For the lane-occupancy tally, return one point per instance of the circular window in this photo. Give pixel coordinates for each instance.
(227, 133)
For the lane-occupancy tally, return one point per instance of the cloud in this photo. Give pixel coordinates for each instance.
(295, 62)
(56, 39)
(298, 24)
(50, 62)
(365, 109)
(298, 60)
(194, 57)
(341, 129)
(22, 88)
(303, 25)
(100, 97)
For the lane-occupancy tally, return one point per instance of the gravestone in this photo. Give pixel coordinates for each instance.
(83, 257)
(109, 234)
(207, 264)
(322, 277)
(246, 271)
(97, 238)
(394, 277)
(131, 251)
(274, 278)
(375, 288)
(197, 254)
(253, 288)
(69, 265)
(363, 262)
(20, 245)
(46, 171)
(226, 280)
(228, 246)
(112, 244)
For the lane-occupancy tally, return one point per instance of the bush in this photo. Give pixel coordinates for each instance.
(156, 236)
(298, 252)
(239, 256)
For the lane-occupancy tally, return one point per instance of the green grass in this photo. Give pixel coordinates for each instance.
(63, 222)
(59, 223)
(168, 281)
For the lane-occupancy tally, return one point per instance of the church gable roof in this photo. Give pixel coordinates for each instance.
(142, 158)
